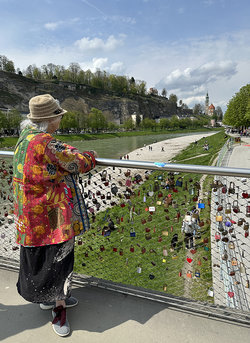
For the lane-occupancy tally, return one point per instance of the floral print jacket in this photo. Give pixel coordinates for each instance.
(44, 192)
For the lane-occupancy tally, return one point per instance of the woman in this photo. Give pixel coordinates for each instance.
(49, 209)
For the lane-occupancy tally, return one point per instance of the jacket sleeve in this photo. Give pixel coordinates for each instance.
(68, 158)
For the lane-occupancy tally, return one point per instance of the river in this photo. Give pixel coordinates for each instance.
(116, 147)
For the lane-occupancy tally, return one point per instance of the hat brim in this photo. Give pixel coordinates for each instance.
(39, 119)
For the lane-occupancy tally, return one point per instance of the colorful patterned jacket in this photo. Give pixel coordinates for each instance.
(44, 194)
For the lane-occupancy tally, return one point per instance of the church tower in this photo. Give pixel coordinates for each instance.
(206, 104)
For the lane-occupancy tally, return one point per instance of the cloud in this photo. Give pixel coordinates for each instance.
(193, 78)
(97, 44)
(53, 26)
(103, 64)
(117, 68)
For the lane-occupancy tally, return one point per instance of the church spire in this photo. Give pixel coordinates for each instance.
(206, 104)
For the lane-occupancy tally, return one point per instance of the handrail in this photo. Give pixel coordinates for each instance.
(173, 167)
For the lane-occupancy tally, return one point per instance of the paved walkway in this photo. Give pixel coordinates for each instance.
(104, 316)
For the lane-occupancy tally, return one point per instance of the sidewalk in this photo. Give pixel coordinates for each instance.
(105, 316)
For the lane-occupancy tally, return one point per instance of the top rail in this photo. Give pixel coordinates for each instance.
(173, 167)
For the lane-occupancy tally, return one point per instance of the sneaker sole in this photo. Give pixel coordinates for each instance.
(59, 334)
(50, 307)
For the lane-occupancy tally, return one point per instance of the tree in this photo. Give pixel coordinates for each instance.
(3, 121)
(128, 124)
(219, 113)
(6, 64)
(14, 119)
(96, 120)
(198, 109)
(173, 98)
(164, 92)
(237, 114)
(138, 119)
(69, 121)
(164, 123)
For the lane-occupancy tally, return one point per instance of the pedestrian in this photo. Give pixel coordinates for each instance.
(48, 212)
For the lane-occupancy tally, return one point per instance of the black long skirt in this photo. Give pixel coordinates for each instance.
(45, 273)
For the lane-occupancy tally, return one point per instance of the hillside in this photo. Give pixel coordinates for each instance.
(16, 90)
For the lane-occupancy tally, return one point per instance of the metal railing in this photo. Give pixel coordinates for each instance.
(136, 244)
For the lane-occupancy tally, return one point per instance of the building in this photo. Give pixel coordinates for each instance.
(211, 110)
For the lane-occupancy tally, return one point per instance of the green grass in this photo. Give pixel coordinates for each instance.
(110, 265)
(10, 142)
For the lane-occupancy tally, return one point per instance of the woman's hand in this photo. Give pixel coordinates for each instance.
(93, 152)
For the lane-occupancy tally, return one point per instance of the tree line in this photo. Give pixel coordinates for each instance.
(96, 121)
(100, 79)
(238, 109)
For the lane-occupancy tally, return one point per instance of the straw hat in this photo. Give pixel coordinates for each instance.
(43, 107)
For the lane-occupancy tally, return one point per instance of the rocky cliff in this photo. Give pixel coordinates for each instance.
(16, 90)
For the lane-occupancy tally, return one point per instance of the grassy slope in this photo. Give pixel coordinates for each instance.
(111, 266)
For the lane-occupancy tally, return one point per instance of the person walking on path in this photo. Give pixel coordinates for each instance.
(49, 210)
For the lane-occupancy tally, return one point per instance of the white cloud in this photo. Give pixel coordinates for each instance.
(193, 78)
(97, 44)
(117, 68)
(53, 26)
(104, 64)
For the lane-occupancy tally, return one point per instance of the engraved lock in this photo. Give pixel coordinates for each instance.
(138, 269)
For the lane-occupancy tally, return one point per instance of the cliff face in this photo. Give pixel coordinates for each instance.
(16, 90)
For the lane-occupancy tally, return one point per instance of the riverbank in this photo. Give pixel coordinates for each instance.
(10, 142)
(165, 151)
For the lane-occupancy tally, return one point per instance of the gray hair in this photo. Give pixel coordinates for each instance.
(41, 126)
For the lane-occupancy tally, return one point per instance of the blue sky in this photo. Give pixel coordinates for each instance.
(187, 46)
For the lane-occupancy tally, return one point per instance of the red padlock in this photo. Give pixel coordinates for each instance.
(180, 273)
(246, 234)
(132, 249)
(160, 239)
(115, 249)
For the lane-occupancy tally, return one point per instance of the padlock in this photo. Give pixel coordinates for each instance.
(231, 245)
(138, 269)
(189, 274)
(248, 211)
(165, 251)
(132, 249)
(217, 236)
(210, 292)
(234, 261)
(132, 232)
(165, 288)
(228, 208)
(242, 268)
(197, 274)
(236, 208)
(246, 226)
(240, 221)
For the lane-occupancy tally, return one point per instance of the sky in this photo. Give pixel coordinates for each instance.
(188, 47)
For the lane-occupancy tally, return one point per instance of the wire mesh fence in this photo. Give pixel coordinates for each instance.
(178, 232)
